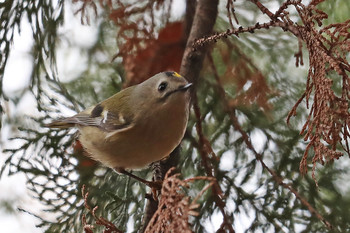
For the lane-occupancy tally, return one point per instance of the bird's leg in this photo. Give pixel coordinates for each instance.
(152, 184)
(157, 177)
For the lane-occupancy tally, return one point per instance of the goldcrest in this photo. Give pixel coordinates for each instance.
(138, 125)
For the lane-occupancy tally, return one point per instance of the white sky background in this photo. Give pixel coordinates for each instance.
(17, 73)
(13, 188)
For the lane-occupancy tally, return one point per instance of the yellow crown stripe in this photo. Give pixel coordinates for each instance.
(177, 75)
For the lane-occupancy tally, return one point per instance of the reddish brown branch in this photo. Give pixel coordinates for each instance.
(231, 112)
(299, 55)
(204, 150)
(160, 168)
(327, 123)
(229, 32)
(191, 65)
(175, 207)
(203, 23)
(88, 228)
(263, 9)
(231, 13)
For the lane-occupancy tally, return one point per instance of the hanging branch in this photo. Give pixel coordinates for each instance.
(328, 121)
(205, 150)
(175, 207)
(234, 121)
(88, 228)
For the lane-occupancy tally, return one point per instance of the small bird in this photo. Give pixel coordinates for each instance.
(137, 126)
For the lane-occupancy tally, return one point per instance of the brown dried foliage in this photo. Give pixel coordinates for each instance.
(144, 51)
(327, 126)
(163, 53)
(208, 156)
(250, 84)
(328, 122)
(175, 207)
(259, 157)
(109, 227)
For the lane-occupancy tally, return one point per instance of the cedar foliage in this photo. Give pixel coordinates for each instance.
(244, 96)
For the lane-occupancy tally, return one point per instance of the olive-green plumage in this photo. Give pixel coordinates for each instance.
(138, 125)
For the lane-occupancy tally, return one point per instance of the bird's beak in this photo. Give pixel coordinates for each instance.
(184, 88)
(180, 88)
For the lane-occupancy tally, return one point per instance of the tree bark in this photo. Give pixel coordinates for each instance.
(203, 23)
(159, 170)
(197, 26)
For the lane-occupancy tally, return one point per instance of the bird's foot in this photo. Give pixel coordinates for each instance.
(154, 185)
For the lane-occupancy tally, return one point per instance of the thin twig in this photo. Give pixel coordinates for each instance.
(229, 32)
(258, 156)
(88, 228)
(204, 150)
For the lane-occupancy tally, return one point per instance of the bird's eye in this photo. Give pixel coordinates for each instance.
(162, 86)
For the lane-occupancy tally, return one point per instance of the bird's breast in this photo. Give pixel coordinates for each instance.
(151, 138)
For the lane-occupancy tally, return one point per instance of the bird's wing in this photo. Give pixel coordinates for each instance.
(97, 117)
